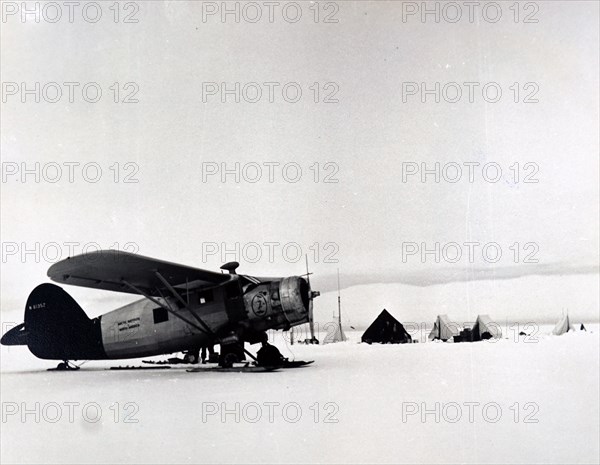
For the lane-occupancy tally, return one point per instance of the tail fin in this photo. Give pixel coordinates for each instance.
(58, 328)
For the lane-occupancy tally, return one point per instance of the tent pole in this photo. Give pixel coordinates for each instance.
(311, 323)
(339, 306)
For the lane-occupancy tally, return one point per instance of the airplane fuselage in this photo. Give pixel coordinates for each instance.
(233, 312)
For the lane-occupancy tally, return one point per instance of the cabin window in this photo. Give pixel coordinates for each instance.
(160, 315)
(205, 297)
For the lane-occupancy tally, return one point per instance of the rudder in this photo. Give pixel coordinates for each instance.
(58, 328)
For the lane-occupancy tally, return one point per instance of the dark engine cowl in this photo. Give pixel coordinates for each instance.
(278, 304)
(294, 295)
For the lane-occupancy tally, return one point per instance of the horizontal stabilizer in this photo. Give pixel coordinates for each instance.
(17, 336)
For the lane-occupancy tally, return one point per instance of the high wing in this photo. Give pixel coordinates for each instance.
(113, 270)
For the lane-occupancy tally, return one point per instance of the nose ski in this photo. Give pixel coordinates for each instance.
(247, 368)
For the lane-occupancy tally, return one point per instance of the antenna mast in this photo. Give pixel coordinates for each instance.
(339, 301)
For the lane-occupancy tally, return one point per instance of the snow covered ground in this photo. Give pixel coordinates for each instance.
(507, 401)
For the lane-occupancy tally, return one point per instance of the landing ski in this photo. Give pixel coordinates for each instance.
(163, 367)
(240, 369)
(296, 363)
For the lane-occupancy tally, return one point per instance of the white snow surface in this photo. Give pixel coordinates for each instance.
(360, 392)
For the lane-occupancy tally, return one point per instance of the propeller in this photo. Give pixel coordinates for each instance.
(311, 296)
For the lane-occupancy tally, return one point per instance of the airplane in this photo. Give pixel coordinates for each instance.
(182, 310)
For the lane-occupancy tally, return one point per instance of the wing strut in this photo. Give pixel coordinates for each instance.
(166, 307)
(199, 328)
(184, 303)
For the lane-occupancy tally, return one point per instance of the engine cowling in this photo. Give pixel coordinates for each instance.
(278, 304)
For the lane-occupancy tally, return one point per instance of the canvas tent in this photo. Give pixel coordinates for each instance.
(386, 330)
(562, 326)
(485, 328)
(335, 333)
(443, 329)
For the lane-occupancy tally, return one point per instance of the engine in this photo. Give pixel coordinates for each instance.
(278, 304)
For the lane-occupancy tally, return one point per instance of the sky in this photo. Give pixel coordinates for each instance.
(357, 136)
